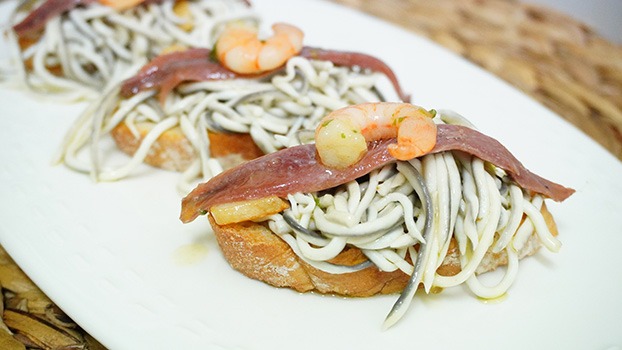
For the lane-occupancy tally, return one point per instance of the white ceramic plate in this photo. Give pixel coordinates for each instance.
(112, 254)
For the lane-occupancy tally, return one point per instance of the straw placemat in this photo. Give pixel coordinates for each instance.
(557, 60)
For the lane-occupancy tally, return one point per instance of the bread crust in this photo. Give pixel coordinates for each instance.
(255, 251)
(173, 151)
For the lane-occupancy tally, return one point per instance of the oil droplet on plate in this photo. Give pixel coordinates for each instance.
(190, 254)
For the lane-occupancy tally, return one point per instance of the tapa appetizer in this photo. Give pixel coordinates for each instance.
(72, 49)
(199, 111)
(390, 197)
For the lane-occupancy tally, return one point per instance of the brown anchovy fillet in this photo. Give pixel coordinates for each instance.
(351, 59)
(454, 137)
(36, 20)
(297, 169)
(167, 71)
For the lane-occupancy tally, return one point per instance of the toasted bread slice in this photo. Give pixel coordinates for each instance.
(258, 253)
(173, 151)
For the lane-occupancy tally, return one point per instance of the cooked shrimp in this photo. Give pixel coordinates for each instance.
(341, 137)
(121, 4)
(240, 50)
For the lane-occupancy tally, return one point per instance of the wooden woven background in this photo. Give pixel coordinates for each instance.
(556, 60)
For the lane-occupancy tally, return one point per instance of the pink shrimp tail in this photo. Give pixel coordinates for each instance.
(415, 137)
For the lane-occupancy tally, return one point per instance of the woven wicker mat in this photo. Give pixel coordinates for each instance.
(558, 61)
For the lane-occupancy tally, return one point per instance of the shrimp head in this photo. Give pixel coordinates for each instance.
(240, 50)
(341, 137)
